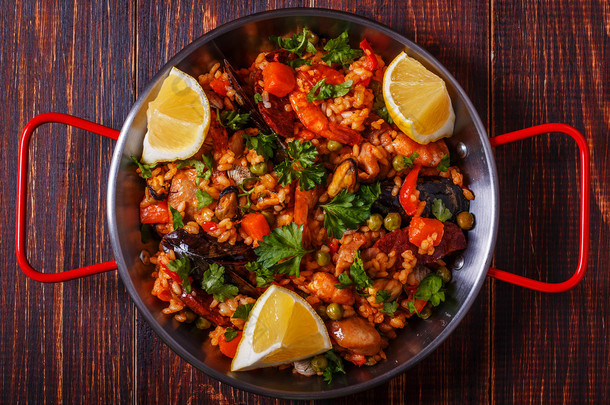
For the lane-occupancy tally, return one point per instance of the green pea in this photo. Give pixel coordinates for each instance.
(426, 312)
(398, 163)
(374, 222)
(392, 221)
(322, 258)
(334, 311)
(465, 220)
(202, 323)
(322, 312)
(334, 146)
(259, 169)
(269, 217)
(190, 316)
(311, 37)
(319, 363)
(444, 273)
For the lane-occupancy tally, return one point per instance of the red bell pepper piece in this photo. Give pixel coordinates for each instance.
(407, 197)
(219, 85)
(278, 79)
(371, 60)
(333, 245)
(155, 213)
(255, 225)
(421, 229)
(229, 348)
(209, 226)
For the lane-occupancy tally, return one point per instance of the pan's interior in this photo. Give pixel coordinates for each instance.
(240, 41)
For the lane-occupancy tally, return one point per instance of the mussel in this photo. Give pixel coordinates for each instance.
(239, 174)
(387, 203)
(228, 203)
(433, 187)
(345, 177)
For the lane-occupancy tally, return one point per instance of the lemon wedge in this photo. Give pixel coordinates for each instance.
(417, 100)
(178, 120)
(282, 328)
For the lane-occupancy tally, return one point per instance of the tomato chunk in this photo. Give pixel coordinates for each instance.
(420, 229)
(278, 79)
(229, 348)
(155, 213)
(219, 86)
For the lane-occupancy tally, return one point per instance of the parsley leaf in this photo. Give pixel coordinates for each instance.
(335, 366)
(382, 296)
(145, 171)
(230, 334)
(439, 210)
(380, 108)
(176, 218)
(263, 144)
(389, 308)
(409, 161)
(234, 120)
(214, 283)
(357, 273)
(328, 90)
(298, 62)
(340, 52)
(203, 198)
(182, 267)
(300, 166)
(298, 44)
(345, 281)
(282, 250)
(264, 276)
(443, 166)
(204, 168)
(257, 98)
(243, 311)
(430, 289)
(348, 210)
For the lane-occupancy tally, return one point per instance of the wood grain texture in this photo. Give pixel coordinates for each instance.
(521, 63)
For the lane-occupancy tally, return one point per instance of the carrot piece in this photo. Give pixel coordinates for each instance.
(155, 213)
(229, 348)
(278, 79)
(255, 225)
(421, 229)
(219, 85)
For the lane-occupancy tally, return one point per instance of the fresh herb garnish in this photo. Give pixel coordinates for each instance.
(300, 166)
(335, 366)
(389, 307)
(298, 62)
(176, 218)
(264, 276)
(203, 170)
(230, 334)
(257, 98)
(282, 250)
(298, 44)
(429, 289)
(382, 296)
(145, 171)
(443, 166)
(263, 144)
(234, 120)
(203, 198)
(344, 281)
(243, 311)
(357, 277)
(214, 283)
(349, 210)
(381, 109)
(182, 267)
(325, 90)
(410, 160)
(439, 210)
(340, 52)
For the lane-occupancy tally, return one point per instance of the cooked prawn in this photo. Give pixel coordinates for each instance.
(430, 155)
(323, 286)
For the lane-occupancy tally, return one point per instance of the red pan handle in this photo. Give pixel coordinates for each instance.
(585, 175)
(22, 190)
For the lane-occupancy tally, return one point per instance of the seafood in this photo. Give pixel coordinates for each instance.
(355, 334)
(323, 285)
(430, 155)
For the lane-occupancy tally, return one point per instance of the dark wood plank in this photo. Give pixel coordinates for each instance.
(447, 375)
(65, 342)
(549, 67)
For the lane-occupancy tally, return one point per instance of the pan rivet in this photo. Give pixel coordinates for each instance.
(458, 263)
(462, 150)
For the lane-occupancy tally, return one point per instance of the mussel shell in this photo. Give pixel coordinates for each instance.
(452, 196)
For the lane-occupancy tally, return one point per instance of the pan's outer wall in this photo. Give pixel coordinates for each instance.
(240, 41)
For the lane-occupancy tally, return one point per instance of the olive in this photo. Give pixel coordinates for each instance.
(334, 146)
(319, 363)
(322, 312)
(334, 311)
(465, 220)
(444, 273)
(399, 163)
(259, 169)
(311, 37)
(426, 312)
(392, 221)
(374, 222)
(269, 217)
(322, 258)
(202, 323)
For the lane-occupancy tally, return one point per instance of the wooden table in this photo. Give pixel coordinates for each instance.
(521, 63)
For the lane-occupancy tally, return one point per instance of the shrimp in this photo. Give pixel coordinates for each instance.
(323, 286)
(347, 252)
(368, 160)
(304, 201)
(430, 155)
(356, 335)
